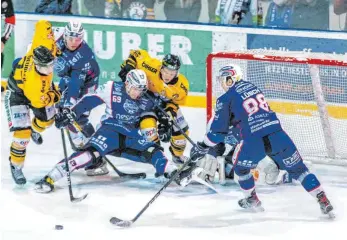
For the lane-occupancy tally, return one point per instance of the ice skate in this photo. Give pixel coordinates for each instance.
(17, 174)
(36, 137)
(97, 169)
(252, 202)
(45, 185)
(325, 205)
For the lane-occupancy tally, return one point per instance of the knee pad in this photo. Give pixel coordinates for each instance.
(148, 126)
(39, 125)
(178, 144)
(20, 141)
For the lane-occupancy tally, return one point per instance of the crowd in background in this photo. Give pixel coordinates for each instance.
(305, 14)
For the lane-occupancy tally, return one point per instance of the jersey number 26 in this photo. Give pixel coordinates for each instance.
(252, 105)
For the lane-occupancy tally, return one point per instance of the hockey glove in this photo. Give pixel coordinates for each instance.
(53, 96)
(65, 117)
(198, 151)
(126, 67)
(165, 131)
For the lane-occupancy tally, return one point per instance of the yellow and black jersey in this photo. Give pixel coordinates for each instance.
(176, 90)
(25, 80)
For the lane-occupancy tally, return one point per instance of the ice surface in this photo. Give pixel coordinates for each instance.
(190, 213)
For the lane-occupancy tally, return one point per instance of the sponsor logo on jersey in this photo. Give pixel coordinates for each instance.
(242, 87)
(59, 64)
(19, 115)
(250, 93)
(130, 106)
(149, 68)
(125, 118)
(291, 161)
(184, 88)
(100, 142)
(219, 105)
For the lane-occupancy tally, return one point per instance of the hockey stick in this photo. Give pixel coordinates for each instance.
(125, 175)
(124, 223)
(120, 173)
(72, 198)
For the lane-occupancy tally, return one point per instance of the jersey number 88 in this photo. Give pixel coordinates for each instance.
(253, 105)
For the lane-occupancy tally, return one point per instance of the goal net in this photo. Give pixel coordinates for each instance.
(308, 91)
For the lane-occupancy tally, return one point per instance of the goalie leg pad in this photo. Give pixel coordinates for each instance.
(209, 165)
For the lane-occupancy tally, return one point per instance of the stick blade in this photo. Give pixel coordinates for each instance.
(120, 223)
(79, 199)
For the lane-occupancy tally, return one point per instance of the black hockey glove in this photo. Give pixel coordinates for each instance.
(165, 131)
(198, 151)
(126, 67)
(64, 118)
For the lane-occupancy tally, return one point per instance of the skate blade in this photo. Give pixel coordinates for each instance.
(331, 215)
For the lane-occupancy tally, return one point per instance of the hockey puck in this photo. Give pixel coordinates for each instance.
(59, 227)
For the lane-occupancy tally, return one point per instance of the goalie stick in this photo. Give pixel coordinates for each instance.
(127, 223)
(120, 173)
(72, 198)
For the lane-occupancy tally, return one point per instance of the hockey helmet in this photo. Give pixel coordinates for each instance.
(171, 62)
(43, 56)
(74, 29)
(43, 60)
(230, 74)
(136, 79)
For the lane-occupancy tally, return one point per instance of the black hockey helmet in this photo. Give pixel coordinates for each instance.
(171, 62)
(43, 56)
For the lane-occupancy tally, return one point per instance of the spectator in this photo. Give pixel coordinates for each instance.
(182, 10)
(212, 5)
(54, 7)
(308, 14)
(241, 12)
(96, 7)
(140, 9)
(340, 7)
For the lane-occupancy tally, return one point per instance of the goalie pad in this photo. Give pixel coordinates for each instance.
(209, 165)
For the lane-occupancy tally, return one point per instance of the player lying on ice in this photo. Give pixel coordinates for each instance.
(243, 106)
(118, 134)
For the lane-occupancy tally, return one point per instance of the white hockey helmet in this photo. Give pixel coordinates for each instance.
(74, 29)
(229, 75)
(136, 79)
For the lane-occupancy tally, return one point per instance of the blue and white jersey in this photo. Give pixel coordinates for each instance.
(122, 112)
(243, 106)
(78, 71)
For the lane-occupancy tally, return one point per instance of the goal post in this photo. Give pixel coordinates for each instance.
(308, 91)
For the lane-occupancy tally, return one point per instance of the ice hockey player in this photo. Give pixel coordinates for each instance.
(243, 106)
(118, 134)
(30, 86)
(79, 71)
(10, 21)
(172, 88)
